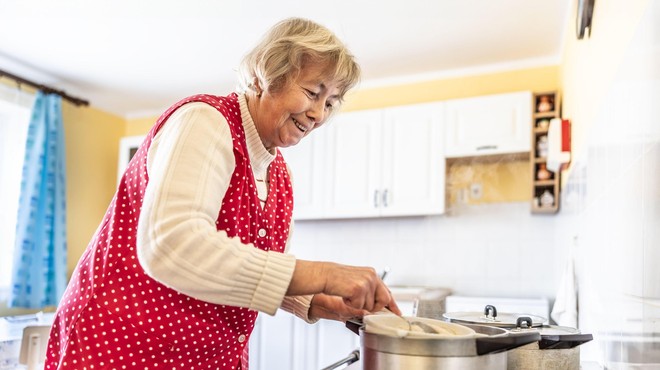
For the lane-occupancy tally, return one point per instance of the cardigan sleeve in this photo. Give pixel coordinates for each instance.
(189, 164)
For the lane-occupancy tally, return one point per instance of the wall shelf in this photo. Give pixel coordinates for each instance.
(545, 184)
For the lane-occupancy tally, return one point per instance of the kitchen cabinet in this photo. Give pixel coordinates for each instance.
(355, 144)
(488, 125)
(307, 161)
(371, 163)
(286, 342)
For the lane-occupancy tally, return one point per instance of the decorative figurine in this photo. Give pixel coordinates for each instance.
(543, 173)
(546, 104)
(547, 199)
(542, 147)
(543, 124)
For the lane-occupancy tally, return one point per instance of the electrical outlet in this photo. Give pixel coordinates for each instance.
(476, 191)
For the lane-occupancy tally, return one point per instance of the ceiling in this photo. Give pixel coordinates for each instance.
(134, 58)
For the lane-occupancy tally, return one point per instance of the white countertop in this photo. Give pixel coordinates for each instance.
(11, 336)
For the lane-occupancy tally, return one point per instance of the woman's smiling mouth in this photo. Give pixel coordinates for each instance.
(298, 125)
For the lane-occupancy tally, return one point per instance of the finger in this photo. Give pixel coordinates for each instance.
(394, 307)
(383, 298)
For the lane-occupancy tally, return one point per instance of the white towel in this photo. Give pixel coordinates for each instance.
(554, 145)
(565, 309)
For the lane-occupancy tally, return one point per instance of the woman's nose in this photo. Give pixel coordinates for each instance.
(316, 112)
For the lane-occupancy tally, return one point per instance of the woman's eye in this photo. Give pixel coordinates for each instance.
(311, 93)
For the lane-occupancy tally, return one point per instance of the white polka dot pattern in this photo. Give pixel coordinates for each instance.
(114, 316)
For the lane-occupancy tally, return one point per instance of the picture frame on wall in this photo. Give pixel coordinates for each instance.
(127, 147)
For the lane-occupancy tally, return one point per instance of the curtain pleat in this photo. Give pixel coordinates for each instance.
(39, 269)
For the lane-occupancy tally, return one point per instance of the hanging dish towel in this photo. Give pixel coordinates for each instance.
(565, 309)
(556, 155)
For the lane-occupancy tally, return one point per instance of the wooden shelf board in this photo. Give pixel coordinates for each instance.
(551, 114)
(544, 183)
(552, 209)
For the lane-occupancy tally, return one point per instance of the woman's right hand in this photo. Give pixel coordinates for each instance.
(360, 287)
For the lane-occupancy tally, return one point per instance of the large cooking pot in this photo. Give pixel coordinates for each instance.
(485, 350)
(557, 348)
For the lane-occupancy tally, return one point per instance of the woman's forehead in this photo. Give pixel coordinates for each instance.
(321, 75)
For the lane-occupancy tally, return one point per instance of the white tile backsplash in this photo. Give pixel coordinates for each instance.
(494, 250)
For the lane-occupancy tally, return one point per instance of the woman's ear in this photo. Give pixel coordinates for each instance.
(257, 87)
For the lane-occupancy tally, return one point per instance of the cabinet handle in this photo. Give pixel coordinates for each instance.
(385, 198)
(484, 147)
(375, 198)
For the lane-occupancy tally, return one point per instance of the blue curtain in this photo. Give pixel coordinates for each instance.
(39, 269)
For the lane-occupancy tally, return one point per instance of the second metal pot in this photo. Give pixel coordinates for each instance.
(557, 349)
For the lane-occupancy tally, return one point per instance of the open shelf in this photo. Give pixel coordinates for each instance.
(545, 184)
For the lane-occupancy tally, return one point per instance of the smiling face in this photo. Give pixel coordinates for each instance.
(285, 116)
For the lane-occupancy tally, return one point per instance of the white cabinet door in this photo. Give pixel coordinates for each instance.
(386, 162)
(288, 343)
(335, 342)
(413, 163)
(494, 124)
(354, 142)
(307, 161)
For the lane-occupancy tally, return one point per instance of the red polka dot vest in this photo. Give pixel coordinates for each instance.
(114, 316)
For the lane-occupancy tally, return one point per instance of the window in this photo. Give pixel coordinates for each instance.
(15, 107)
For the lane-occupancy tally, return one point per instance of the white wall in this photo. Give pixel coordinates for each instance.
(611, 202)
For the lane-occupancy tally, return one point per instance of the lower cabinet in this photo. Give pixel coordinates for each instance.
(372, 163)
(285, 342)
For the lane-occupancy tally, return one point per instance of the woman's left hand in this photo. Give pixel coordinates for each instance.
(333, 308)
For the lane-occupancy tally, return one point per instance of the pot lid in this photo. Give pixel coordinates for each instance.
(491, 317)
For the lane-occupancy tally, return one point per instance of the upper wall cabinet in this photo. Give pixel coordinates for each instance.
(494, 124)
(386, 162)
(413, 159)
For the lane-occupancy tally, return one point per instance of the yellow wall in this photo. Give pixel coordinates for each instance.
(534, 79)
(140, 126)
(589, 65)
(92, 141)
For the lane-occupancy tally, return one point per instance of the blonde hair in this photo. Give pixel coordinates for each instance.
(284, 50)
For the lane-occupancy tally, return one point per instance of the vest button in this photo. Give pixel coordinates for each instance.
(261, 233)
(241, 338)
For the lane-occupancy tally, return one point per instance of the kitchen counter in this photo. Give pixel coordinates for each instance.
(11, 335)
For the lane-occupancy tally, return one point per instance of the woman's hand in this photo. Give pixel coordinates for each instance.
(333, 308)
(360, 288)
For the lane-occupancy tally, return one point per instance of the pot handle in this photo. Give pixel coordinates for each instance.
(486, 345)
(527, 321)
(353, 357)
(354, 325)
(490, 311)
(564, 341)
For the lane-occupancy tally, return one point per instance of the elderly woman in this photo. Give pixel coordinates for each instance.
(194, 242)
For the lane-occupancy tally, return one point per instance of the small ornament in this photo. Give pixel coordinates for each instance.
(547, 199)
(542, 147)
(543, 124)
(546, 104)
(543, 173)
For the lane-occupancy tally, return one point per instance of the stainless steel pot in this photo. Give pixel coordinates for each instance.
(557, 348)
(488, 351)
